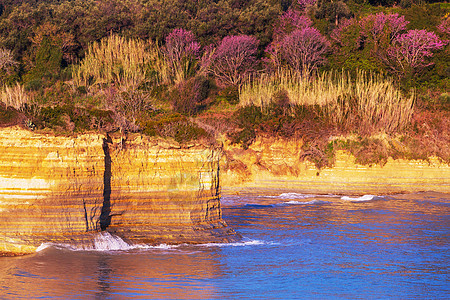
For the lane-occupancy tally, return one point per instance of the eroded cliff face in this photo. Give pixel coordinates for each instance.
(65, 189)
(144, 190)
(164, 193)
(277, 164)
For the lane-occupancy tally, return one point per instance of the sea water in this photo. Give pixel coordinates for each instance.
(295, 246)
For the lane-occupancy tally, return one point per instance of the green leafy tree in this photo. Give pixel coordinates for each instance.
(46, 64)
(7, 65)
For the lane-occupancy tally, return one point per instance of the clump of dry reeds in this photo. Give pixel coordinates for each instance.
(380, 104)
(123, 63)
(122, 70)
(14, 96)
(372, 100)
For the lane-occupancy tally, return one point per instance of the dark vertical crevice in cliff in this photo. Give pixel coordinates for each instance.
(85, 215)
(217, 186)
(105, 216)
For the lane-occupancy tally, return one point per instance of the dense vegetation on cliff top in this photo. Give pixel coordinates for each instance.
(377, 70)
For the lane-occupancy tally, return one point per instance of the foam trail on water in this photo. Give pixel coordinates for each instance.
(104, 241)
(293, 202)
(300, 196)
(246, 242)
(294, 196)
(362, 198)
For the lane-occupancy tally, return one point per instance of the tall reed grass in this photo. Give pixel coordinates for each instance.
(14, 96)
(372, 100)
(123, 63)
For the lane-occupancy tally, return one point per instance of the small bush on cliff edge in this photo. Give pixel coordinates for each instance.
(173, 125)
(73, 119)
(189, 97)
(8, 115)
(275, 120)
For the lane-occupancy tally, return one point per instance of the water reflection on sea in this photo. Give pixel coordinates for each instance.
(295, 246)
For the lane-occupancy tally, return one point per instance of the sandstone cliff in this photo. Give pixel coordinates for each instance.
(65, 189)
(144, 190)
(278, 164)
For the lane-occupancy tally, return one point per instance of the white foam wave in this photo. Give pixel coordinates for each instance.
(105, 242)
(295, 196)
(362, 198)
(43, 246)
(161, 246)
(293, 202)
(300, 196)
(237, 244)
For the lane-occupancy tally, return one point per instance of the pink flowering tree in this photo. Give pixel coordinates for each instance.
(339, 34)
(181, 52)
(379, 26)
(234, 59)
(444, 27)
(410, 52)
(363, 44)
(304, 49)
(372, 29)
(290, 21)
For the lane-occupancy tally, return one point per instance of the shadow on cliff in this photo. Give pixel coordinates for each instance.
(105, 216)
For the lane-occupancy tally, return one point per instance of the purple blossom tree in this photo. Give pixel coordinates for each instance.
(364, 43)
(444, 27)
(289, 21)
(304, 49)
(338, 33)
(234, 59)
(181, 51)
(409, 51)
(379, 25)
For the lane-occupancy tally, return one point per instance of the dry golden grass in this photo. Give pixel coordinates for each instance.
(371, 99)
(14, 96)
(123, 63)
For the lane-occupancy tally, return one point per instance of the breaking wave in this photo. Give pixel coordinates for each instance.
(362, 198)
(293, 202)
(301, 196)
(243, 243)
(104, 241)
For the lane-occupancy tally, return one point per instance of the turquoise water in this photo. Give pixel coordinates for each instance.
(295, 246)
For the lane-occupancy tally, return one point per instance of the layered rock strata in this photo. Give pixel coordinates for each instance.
(277, 164)
(164, 193)
(65, 189)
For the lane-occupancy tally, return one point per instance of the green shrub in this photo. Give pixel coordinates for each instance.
(188, 97)
(247, 119)
(173, 125)
(47, 65)
(426, 16)
(275, 120)
(229, 94)
(72, 119)
(8, 115)
(444, 101)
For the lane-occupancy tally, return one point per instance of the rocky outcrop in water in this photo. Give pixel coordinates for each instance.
(65, 189)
